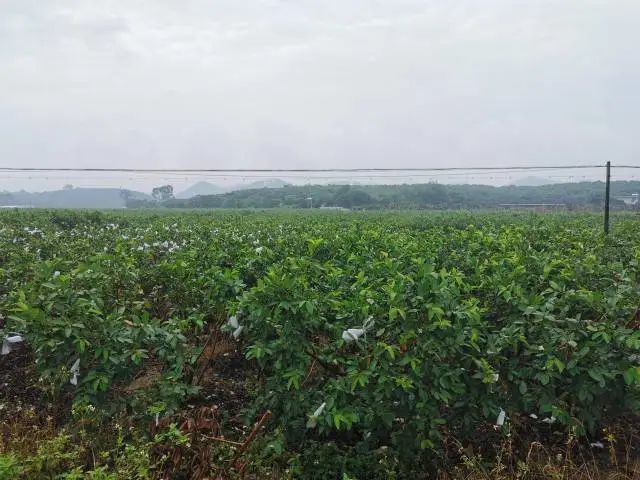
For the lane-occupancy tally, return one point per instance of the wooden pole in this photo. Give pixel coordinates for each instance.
(606, 199)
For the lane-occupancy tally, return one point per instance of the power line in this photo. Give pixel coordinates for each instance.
(298, 170)
(177, 177)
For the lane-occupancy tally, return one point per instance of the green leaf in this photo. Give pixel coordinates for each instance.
(543, 378)
(394, 312)
(425, 444)
(632, 376)
(596, 375)
(293, 379)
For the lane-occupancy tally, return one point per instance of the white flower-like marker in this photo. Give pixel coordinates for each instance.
(313, 418)
(353, 334)
(75, 371)
(9, 341)
(501, 416)
(236, 333)
(233, 323)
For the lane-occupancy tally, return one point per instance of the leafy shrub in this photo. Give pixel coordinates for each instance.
(10, 467)
(529, 334)
(458, 318)
(67, 320)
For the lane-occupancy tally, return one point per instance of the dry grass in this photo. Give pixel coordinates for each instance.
(22, 429)
(28, 419)
(617, 459)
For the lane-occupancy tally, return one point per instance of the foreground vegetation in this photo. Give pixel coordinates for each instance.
(319, 346)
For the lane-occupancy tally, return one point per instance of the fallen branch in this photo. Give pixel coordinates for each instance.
(252, 435)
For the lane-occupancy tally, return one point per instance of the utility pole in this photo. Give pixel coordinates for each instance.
(606, 199)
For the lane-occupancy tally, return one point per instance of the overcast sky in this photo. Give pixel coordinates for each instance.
(331, 83)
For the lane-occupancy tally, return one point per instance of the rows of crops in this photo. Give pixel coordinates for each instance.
(367, 336)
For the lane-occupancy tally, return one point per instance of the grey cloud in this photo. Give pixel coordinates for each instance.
(38, 30)
(319, 84)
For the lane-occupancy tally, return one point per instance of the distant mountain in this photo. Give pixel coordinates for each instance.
(533, 182)
(116, 197)
(206, 188)
(271, 183)
(201, 188)
(73, 198)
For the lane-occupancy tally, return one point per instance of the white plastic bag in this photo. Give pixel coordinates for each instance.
(352, 334)
(236, 333)
(313, 418)
(9, 342)
(501, 417)
(233, 322)
(75, 371)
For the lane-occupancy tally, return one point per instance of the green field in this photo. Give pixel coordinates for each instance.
(385, 345)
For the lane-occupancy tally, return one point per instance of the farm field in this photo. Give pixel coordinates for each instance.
(324, 345)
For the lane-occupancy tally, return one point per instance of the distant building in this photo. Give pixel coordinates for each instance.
(334, 208)
(631, 200)
(538, 207)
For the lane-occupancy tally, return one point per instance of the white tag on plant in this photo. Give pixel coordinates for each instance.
(9, 342)
(352, 334)
(75, 371)
(313, 418)
(501, 417)
(236, 333)
(233, 322)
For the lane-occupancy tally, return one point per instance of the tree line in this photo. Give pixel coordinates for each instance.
(570, 196)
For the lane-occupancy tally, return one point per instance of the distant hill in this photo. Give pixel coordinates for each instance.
(201, 188)
(271, 183)
(578, 196)
(206, 188)
(533, 182)
(73, 198)
(277, 193)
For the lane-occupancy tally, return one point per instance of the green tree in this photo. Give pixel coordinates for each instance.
(162, 193)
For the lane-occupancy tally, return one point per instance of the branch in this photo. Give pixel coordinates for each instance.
(327, 366)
